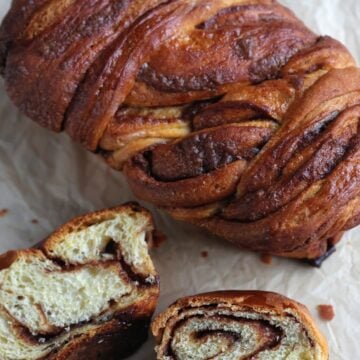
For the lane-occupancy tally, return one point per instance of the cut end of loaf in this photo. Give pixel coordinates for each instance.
(237, 325)
(92, 274)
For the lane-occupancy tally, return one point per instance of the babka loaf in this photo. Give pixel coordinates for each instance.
(88, 292)
(229, 114)
(253, 325)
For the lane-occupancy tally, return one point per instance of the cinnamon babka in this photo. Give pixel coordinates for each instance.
(229, 114)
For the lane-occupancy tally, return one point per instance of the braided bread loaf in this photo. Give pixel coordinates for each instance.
(230, 114)
(238, 325)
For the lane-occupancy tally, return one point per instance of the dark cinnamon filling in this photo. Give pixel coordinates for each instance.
(270, 335)
(230, 112)
(112, 248)
(205, 152)
(125, 318)
(239, 14)
(258, 55)
(328, 153)
(257, 41)
(315, 130)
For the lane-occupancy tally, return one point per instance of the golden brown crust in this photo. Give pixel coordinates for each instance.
(125, 328)
(256, 302)
(83, 221)
(186, 192)
(233, 106)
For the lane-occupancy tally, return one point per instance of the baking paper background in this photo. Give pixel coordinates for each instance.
(49, 178)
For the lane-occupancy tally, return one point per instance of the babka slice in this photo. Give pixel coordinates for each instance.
(87, 292)
(251, 325)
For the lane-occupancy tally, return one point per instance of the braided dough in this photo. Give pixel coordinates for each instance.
(229, 114)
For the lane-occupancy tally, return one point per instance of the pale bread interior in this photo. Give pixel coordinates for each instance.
(36, 293)
(89, 244)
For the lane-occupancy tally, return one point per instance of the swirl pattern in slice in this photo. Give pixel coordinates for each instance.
(237, 325)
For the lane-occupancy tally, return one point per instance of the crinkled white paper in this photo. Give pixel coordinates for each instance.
(49, 178)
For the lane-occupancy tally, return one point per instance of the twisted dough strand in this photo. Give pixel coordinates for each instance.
(230, 114)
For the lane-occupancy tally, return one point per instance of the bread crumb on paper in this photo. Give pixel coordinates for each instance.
(326, 312)
(3, 212)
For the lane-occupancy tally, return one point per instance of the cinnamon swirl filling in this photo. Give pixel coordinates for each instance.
(236, 325)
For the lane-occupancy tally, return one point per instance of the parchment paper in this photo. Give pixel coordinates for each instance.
(48, 178)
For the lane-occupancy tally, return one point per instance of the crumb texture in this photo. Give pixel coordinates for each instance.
(81, 279)
(206, 329)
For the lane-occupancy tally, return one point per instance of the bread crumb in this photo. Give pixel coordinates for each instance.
(266, 259)
(34, 221)
(3, 212)
(204, 254)
(158, 239)
(326, 312)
